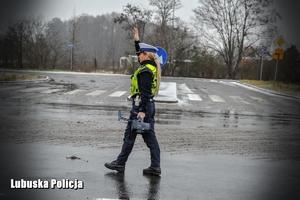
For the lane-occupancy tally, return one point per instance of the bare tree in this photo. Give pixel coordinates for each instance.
(182, 41)
(171, 33)
(37, 50)
(165, 10)
(134, 16)
(15, 41)
(164, 21)
(165, 30)
(25, 43)
(55, 41)
(227, 26)
(112, 45)
(100, 39)
(4, 53)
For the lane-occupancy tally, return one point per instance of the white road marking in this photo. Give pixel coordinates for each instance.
(239, 99)
(75, 91)
(96, 93)
(117, 94)
(105, 199)
(261, 100)
(183, 89)
(216, 98)
(194, 97)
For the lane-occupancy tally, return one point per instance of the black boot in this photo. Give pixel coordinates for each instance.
(115, 166)
(152, 171)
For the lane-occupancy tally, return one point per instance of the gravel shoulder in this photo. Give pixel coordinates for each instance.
(13, 77)
(100, 132)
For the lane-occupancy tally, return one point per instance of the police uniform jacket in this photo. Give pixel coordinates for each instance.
(145, 83)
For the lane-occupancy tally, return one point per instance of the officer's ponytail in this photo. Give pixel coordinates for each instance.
(152, 56)
(158, 76)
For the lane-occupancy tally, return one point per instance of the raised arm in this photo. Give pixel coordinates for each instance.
(136, 38)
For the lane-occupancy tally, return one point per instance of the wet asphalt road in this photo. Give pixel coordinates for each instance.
(242, 148)
(184, 176)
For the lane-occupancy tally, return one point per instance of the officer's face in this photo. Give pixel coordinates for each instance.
(142, 56)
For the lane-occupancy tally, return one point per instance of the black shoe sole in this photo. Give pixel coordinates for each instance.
(152, 173)
(119, 169)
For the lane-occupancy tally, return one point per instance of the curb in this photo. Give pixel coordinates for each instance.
(269, 91)
(26, 81)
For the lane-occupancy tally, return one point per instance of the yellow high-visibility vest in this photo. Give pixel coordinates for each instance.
(134, 79)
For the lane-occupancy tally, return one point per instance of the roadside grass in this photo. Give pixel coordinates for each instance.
(7, 76)
(286, 88)
(103, 70)
(19, 76)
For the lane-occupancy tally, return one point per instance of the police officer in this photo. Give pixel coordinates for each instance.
(144, 85)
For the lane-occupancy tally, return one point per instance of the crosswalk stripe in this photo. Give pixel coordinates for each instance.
(104, 199)
(261, 100)
(216, 98)
(238, 99)
(185, 94)
(96, 93)
(194, 97)
(117, 94)
(75, 91)
(183, 89)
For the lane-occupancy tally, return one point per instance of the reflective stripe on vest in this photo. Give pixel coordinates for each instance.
(134, 79)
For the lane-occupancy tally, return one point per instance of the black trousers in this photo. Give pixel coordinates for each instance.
(149, 137)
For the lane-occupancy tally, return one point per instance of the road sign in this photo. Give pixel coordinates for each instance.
(161, 56)
(280, 41)
(278, 54)
(71, 45)
(264, 51)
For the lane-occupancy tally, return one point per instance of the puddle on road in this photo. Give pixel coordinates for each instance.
(120, 183)
(188, 119)
(225, 119)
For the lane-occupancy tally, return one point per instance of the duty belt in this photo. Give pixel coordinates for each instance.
(137, 100)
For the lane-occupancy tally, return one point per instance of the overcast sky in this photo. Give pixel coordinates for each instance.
(64, 9)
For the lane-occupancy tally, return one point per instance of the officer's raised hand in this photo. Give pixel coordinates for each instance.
(136, 34)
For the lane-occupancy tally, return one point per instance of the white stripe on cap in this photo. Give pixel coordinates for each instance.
(147, 47)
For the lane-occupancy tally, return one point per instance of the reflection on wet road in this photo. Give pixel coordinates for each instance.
(122, 187)
(226, 119)
(273, 136)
